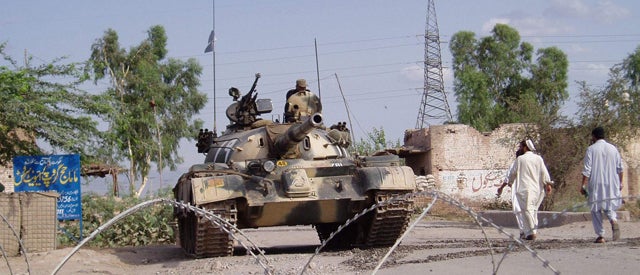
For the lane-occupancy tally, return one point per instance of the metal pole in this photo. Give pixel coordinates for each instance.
(315, 43)
(353, 137)
(213, 44)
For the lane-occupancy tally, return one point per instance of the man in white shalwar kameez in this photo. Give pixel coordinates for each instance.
(530, 179)
(602, 179)
(517, 211)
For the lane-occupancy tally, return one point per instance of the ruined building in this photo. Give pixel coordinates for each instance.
(472, 165)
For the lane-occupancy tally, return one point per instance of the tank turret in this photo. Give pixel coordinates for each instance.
(287, 141)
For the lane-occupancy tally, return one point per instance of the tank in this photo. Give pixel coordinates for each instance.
(263, 173)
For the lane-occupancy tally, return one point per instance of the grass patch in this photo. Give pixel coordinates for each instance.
(443, 210)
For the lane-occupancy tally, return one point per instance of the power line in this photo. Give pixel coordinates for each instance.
(309, 46)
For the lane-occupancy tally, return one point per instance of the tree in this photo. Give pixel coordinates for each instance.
(610, 106)
(631, 67)
(470, 85)
(154, 100)
(549, 79)
(496, 80)
(376, 141)
(43, 102)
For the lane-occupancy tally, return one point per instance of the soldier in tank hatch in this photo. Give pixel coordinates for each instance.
(301, 103)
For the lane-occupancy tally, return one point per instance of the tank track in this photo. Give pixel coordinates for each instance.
(204, 239)
(380, 228)
(343, 240)
(389, 221)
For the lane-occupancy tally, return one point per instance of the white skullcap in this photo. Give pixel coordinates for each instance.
(530, 145)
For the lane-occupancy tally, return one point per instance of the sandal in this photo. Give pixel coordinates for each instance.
(599, 240)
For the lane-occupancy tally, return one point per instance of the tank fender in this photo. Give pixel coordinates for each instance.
(217, 188)
(387, 178)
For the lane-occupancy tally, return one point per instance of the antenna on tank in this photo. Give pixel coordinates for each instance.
(315, 43)
(346, 106)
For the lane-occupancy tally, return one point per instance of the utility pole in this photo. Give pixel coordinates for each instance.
(434, 103)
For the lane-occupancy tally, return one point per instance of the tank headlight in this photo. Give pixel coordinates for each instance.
(268, 166)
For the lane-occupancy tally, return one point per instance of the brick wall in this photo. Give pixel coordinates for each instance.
(470, 164)
(465, 162)
(631, 178)
(6, 177)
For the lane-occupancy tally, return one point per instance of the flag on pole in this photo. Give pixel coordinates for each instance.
(212, 39)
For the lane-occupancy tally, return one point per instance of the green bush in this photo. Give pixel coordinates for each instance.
(497, 204)
(150, 225)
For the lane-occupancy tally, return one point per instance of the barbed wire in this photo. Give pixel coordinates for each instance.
(258, 254)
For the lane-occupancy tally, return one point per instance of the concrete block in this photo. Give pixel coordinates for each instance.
(545, 218)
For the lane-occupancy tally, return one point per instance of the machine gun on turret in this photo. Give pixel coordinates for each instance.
(244, 112)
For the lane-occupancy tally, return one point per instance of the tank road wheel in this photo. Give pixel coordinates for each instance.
(201, 238)
(389, 221)
(378, 228)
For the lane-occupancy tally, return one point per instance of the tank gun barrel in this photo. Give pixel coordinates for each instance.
(296, 133)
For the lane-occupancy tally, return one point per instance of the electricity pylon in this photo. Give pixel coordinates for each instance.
(434, 105)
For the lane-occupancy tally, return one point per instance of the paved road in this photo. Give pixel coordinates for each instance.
(433, 247)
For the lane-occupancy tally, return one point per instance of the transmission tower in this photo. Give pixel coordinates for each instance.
(434, 103)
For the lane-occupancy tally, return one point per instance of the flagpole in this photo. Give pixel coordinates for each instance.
(211, 47)
(213, 43)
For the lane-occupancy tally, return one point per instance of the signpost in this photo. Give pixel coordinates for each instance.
(60, 173)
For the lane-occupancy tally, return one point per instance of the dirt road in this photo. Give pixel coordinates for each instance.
(432, 247)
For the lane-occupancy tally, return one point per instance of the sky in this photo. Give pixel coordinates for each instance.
(369, 51)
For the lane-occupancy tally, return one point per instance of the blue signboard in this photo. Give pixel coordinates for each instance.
(60, 173)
